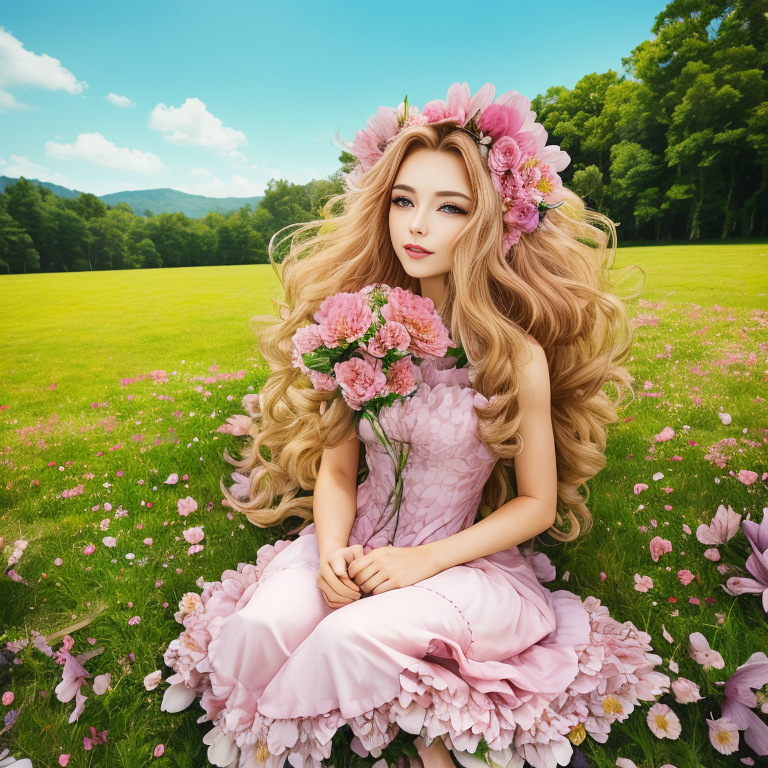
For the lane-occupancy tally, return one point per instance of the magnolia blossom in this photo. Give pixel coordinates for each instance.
(757, 562)
(237, 425)
(741, 701)
(721, 528)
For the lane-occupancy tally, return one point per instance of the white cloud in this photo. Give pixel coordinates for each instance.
(192, 125)
(201, 172)
(93, 148)
(119, 101)
(237, 186)
(20, 165)
(22, 68)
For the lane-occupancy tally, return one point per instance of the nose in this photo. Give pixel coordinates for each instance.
(418, 224)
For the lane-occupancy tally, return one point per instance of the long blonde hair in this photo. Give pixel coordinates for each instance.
(553, 284)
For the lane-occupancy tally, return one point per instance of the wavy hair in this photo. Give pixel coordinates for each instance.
(553, 284)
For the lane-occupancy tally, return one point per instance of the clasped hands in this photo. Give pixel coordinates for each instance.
(346, 573)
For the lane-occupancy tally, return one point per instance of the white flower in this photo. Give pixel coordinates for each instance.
(663, 722)
(222, 749)
(12, 762)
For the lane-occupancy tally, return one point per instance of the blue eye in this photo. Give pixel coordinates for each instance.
(455, 210)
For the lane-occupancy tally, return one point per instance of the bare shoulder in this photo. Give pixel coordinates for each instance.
(534, 367)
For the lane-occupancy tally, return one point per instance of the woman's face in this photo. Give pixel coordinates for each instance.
(431, 199)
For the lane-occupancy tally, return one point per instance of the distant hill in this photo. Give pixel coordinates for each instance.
(156, 200)
(5, 181)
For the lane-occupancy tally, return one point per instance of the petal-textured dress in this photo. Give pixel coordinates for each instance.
(480, 650)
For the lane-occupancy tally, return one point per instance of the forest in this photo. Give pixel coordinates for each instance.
(673, 149)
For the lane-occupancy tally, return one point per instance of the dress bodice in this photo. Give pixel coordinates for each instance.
(447, 465)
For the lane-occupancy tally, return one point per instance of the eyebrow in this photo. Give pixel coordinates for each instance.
(437, 194)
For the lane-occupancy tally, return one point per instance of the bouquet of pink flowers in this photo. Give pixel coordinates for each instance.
(363, 345)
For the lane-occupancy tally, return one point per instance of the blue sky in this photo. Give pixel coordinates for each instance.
(217, 98)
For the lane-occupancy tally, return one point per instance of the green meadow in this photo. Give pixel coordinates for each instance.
(112, 381)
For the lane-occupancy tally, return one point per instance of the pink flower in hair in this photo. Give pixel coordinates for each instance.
(307, 339)
(369, 144)
(499, 120)
(505, 155)
(428, 334)
(454, 111)
(523, 216)
(509, 185)
(391, 335)
(360, 380)
(343, 316)
(400, 378)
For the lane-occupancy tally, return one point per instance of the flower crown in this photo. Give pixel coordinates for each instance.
(523, 170)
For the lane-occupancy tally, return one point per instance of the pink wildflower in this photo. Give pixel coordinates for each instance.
(659, 547)
(640, 487)
(686, 577)
(194, 535)
(186, 505)
(643, 583)
(685, 691)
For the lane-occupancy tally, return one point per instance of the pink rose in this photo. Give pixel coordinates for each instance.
(307, 339)
(686, 691)
(505, 155)
(400, 378)
(522, 215)
(499, 120)
(343, 316)
(360, 380)
(659, 547)
(428, 334)
(390, 336)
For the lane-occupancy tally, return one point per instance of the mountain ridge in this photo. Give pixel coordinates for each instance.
(161, 200)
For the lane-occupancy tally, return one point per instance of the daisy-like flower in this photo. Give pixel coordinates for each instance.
(724, 735)
(663, 722)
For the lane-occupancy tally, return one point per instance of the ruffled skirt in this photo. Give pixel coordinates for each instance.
(478, 651)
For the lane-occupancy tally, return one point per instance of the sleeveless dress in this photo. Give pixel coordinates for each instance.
(481, 650)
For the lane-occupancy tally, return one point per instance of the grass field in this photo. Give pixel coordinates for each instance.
(90, 430)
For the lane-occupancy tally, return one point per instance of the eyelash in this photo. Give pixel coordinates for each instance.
(458, 211)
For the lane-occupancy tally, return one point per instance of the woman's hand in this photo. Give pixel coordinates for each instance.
(332, 579)
(390, 567)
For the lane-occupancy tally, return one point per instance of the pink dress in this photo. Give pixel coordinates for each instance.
(479, 651)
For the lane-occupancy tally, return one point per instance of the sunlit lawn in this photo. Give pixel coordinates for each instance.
(84, 406)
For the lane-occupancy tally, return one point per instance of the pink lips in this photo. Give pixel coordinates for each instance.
(415, 252)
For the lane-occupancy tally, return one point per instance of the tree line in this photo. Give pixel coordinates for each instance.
(677, 148)
(43, 232)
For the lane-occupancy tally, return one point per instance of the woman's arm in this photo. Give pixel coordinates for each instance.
(335, 497)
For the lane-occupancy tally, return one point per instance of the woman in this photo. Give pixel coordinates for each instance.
(460, 209)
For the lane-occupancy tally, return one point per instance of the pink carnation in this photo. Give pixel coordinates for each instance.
(307, 339)
(360, 380)
(343, 316)
(391, 335)
(400, 378)
(324, 382)
(428, 334)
